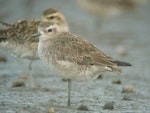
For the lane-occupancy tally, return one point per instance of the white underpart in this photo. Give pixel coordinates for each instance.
(21, 50)
(69, 70)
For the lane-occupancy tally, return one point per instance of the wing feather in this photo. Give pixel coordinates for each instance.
(71, 48)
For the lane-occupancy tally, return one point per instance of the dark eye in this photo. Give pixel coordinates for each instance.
(49, 30)
(51, 17)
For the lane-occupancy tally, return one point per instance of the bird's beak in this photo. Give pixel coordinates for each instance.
(36, 35)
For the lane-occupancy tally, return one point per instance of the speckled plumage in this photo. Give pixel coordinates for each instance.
(19, 34)
(72, 57)
(19, 38)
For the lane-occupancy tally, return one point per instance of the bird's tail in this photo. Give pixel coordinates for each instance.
(120, 63)
(116, 68)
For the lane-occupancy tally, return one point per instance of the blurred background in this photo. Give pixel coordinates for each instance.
(121, 31)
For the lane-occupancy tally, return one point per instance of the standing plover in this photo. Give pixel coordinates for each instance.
(17, 37)
(72, 57)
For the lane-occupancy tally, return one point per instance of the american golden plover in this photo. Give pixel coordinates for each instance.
(17, 37)
(72, 57)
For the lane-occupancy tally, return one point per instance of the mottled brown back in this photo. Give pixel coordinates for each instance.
(71, 48)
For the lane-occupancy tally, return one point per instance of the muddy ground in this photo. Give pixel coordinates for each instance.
(131, 31)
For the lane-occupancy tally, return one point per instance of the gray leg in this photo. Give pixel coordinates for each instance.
(30, 65)
(30, 74)
(69, 91)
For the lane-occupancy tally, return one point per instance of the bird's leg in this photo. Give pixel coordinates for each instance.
(30, 74)
(69, 91)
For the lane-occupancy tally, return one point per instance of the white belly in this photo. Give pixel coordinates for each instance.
(68, 70)
(28, 51)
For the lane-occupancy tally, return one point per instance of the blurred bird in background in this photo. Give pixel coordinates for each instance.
(108, 9)
(17, 38)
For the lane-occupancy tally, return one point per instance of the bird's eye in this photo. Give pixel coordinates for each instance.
(49, 30)
(51, 17)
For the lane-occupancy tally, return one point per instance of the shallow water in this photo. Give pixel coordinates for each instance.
(130, 31)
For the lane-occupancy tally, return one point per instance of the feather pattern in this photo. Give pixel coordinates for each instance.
(74, 49)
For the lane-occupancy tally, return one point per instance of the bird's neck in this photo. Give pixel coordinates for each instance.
(45, 38)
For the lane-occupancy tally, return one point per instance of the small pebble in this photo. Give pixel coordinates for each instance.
(23, 77)
(116, 82)
(121, 51)
(25, 107)
(18, 83)
(59, 96)
(126, 98)
(46, 89)
(3, 59)
(109, 106)
(64, 80)
(83, 108)
(127, 89)
(51, 110)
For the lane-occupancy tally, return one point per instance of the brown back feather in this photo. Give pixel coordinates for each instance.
(21, 31)
(74, 49)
